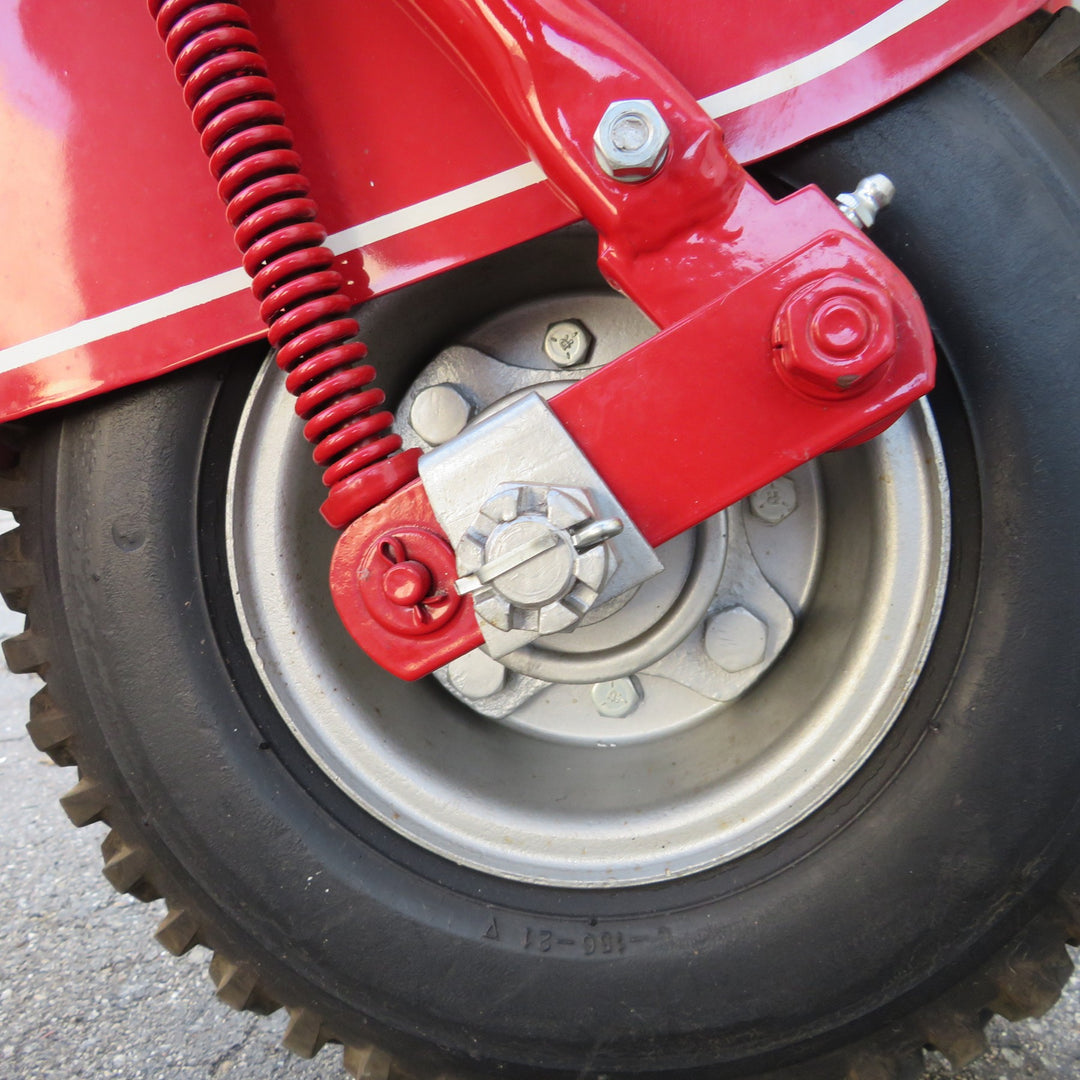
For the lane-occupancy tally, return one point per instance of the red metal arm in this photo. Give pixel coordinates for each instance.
(785, 332)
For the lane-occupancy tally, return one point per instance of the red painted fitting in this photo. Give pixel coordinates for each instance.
(835, 336)
(406, 579)
(407, 583)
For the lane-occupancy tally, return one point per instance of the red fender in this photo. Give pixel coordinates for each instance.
(117, 264)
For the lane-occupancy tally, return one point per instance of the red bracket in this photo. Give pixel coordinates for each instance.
(784, 332)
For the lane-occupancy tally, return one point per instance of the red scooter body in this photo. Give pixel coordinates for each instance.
(118, 266)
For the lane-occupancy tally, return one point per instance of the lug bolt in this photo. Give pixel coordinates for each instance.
(617, 697)
(475, 675)
(631, 141)
(872, 194)
(568, 343)
(735, 639)
(439, 413)
(774, 502)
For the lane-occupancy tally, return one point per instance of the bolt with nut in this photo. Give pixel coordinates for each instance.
(631, 141)
(833, 336)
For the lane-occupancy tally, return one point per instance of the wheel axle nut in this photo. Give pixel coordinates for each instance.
(631, 141)
(535, 558)
(834, 336)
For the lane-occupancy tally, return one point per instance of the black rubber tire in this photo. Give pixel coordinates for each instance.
(933, 889)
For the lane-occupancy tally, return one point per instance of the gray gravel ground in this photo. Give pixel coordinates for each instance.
(85, 991)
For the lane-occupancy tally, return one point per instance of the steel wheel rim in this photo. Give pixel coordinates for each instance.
(504, 799)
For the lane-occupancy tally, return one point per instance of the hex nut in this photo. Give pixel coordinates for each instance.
(616, 697)
(774, 502)
(476, 675)
(736, 639)
(833, 335)
(631, 141)
(553, 585)
(568, 343)
(438, 413)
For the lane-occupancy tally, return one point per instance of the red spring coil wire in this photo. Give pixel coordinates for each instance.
(302, 300)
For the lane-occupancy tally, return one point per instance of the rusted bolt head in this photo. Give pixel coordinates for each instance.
(631, 140)
(835, 335)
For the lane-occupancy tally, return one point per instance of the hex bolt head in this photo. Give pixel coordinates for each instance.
(834, 335)
(736, 639)
(631, 141)
(774, 502)
(439, 413)
(617, 697)
(568, 343)
(476, 675)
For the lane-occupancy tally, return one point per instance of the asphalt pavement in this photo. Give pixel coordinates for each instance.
(86, 992)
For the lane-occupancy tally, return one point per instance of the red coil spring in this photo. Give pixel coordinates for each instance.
(235, 109)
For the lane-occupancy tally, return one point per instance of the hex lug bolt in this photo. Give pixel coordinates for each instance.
(568, 343)
(617, 697)
(476, 675)
(774, 502)
(736, 639)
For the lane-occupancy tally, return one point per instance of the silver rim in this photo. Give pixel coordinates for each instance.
(529, 774)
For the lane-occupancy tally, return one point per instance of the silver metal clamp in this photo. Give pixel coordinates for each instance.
(540, 538)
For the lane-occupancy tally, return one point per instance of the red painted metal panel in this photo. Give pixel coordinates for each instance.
(108, 209)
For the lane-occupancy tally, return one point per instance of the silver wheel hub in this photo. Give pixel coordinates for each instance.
(670, 729)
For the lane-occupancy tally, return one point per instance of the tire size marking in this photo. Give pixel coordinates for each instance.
(592, 943)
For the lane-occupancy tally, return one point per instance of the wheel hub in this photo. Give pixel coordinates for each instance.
(674, 727)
